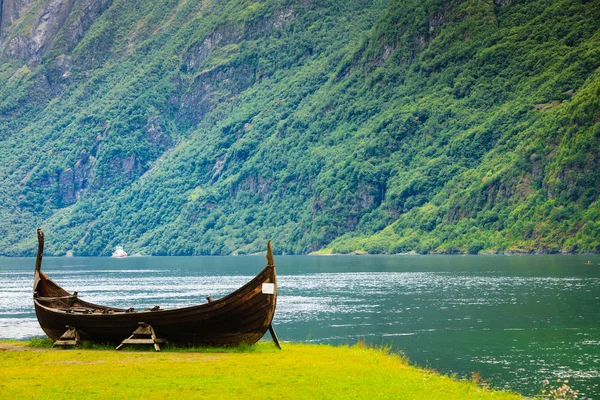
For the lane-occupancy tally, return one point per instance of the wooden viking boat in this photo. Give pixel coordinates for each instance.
(240, 317)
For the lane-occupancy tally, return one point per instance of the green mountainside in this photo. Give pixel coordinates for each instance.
(188, 127)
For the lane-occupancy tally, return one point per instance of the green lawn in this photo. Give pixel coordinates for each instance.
(256, 372)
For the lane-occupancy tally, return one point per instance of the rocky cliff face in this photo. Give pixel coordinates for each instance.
(11, 11)
(28, 29)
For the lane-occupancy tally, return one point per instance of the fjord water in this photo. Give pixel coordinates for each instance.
(517, 320)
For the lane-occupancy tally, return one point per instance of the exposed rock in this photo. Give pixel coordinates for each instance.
(72, 182)
(437, 20)
(113, 169)
(537, 167)
(419, 40)
(130, 166)
(66, 186)
(226, 80)
(48, 21)
(264, 185)
(11, 11)
(387, 51)
(369, 195)
(280, 17)
(17, 47)
(59, 74)
(62, 64)
(83, 15)
(218, 168)
(65, 17)
(156, 133)
(254, 184)
(197, 54)
(82, 172)
(225, 35)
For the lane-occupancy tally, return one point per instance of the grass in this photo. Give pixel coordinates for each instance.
(261, 371)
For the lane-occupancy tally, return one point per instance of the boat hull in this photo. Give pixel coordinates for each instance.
(241, 317)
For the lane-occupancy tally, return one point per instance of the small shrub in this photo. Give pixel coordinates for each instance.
(40, 342)
(559, 391)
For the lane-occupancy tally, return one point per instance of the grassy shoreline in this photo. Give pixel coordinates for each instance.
(253, 372)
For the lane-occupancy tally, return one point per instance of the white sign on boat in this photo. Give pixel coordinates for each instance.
(268, 288)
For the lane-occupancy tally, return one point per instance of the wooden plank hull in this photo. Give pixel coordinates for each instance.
(241, 317)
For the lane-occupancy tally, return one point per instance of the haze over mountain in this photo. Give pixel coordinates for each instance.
(186, 127)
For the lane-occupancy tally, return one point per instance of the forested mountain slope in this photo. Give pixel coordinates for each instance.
(205, 127)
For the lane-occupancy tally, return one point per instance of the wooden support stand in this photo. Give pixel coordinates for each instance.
(69, 338)
(144, 334)
(274, 336)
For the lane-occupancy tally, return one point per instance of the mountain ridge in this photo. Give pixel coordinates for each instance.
(198, 127)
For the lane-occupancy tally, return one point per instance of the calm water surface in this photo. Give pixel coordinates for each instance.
(516, 320)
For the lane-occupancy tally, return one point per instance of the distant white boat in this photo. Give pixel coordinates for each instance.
(119, 252)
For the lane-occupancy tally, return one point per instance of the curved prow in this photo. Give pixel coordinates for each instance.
(270, 259)
(40, 253)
